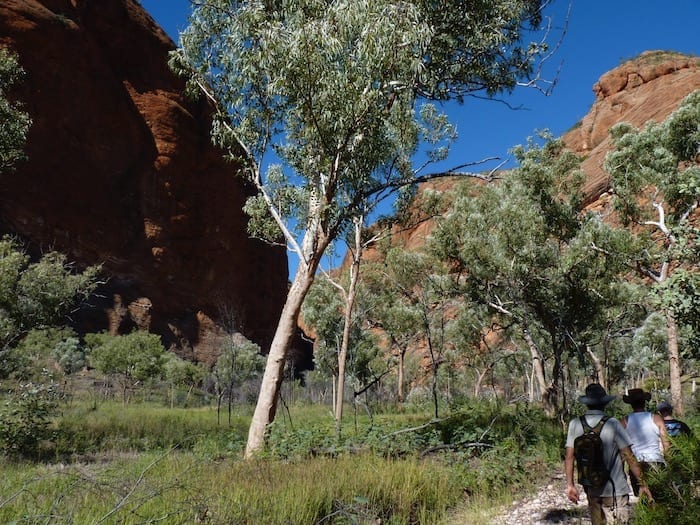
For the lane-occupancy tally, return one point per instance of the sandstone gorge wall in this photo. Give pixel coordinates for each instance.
(648, 88)
(121, 172)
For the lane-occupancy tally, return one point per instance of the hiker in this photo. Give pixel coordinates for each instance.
(674, 427)
(647, 432)
(608, 500)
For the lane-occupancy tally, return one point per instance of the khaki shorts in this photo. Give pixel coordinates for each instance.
(609, 511)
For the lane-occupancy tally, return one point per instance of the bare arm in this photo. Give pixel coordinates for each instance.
(663, 435)
(631, 461)
(571, 489)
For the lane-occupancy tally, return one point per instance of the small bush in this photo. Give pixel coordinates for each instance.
(25, 420)
(676, 488)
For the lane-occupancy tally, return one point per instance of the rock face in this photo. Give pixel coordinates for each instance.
(648, 88)
(121, 172)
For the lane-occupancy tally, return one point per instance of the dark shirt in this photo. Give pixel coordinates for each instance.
(675, 427)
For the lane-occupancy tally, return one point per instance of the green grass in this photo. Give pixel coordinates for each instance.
(178, 487)
(142, 427)
(144, 463)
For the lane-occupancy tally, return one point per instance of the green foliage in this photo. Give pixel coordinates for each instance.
(647, 350)
(676, 488)
(336, 90)
(529, 262)
(83, 431)
(180, 373)
(132, 358)
(69, 355)
(409, 293)
(25, 419)
(36, 298)
(333, 89)
(38, 294)
(656, 184)
(174, 488)
(15, 123)
(155, 463)
(658, 163)
(323, 310)
(38, 350)
(239, 361)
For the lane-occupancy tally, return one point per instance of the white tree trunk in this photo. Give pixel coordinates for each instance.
(674, 365)
(537, 362)
(400, 376)
(349, 305)
(266, 406)
(599, 372)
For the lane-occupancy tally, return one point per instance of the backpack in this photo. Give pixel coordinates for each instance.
(588, 451)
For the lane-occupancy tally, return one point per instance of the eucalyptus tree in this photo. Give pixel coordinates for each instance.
(397, 319)
(410, 307)
(15, 122)
(333, 89)
(655, 176)
(525, 249)
(131, 359)
(478, 346)
(238, 362)
(336, 309)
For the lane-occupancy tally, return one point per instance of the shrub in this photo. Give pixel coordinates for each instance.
(676, 488)
(25, 420)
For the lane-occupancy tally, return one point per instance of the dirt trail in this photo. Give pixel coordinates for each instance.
(548, 505)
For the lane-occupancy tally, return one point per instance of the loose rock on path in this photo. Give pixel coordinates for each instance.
(548, 505)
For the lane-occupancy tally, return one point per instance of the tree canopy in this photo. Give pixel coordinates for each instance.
(38, 294)
(332, 89)
(525, 249)
(655, 174)
(15, 123)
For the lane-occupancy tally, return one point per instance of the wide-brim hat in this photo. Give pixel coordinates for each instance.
(636, 395)
(595, 395)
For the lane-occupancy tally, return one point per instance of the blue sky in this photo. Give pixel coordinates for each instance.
(600, 35)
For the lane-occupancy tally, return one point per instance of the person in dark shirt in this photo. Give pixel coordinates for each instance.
(674, 427)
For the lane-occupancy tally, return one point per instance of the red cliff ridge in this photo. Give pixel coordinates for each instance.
(647, 88)
(121, 171)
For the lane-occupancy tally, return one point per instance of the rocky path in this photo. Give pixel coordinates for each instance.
(548, 505)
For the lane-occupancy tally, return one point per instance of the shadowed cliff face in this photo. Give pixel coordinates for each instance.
(121, 172)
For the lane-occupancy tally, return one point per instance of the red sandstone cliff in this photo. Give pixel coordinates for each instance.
(647, 88)
(121, 172)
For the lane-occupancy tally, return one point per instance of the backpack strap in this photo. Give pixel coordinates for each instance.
(600, 424)
(597, 428)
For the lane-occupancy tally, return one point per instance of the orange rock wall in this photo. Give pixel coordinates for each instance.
(121, 172)
(648, 88)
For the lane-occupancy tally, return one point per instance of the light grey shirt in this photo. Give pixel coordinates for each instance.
(614, 437)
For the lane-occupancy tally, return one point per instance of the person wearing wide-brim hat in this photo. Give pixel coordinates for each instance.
(636, 396)
(647, 432)
(611, 503)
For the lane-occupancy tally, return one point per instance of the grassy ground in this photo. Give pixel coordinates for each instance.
(142, 463)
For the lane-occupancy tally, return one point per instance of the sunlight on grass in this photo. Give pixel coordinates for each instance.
(147, 463)
(179, 488)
